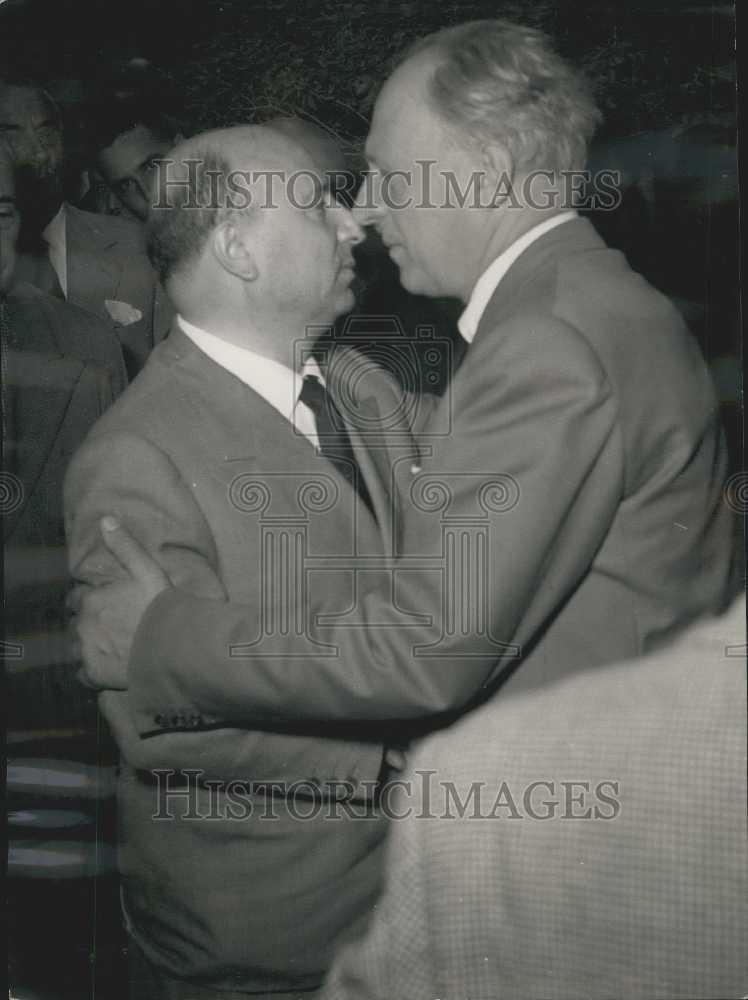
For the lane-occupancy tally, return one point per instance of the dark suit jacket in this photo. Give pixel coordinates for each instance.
(567, 513)
(231, 501)
(107, 261)
(64, 368)
(582, 840)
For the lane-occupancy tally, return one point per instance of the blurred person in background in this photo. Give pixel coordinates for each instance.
(93, 261)
(129, 140)
(61, 368)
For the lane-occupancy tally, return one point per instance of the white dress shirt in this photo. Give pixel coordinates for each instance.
(276, 383)
(56, 239)
(488, 282)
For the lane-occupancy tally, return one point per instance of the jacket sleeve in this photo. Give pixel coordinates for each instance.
(123, 474)
(534, 453)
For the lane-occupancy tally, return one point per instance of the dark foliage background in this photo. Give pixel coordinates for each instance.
(652, 66)
(664, 72)
(220, 62)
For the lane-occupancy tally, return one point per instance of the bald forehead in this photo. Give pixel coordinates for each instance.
(403, 113)
(321, 146)
(410, 79)
(248, 147)
(252, 166)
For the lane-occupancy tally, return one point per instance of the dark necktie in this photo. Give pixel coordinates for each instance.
(334, 442)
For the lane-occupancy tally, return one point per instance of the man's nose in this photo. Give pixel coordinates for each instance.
(367, 208)
(349, 231)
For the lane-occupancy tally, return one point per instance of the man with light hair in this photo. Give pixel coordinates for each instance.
(478, 137)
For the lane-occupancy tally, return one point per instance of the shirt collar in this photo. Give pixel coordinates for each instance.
(54, 231)
(488, 282)
(278, 384)
(55, 236)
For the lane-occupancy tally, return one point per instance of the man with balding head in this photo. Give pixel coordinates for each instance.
(229, 462)
(322, 146)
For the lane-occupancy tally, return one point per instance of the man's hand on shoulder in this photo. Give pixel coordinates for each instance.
(107, 617)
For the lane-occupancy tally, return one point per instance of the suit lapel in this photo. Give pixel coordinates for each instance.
(244, 432)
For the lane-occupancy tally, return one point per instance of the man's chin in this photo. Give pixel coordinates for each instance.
(416, 282)
(345, 302)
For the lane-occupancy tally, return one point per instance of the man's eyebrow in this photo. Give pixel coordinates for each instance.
(6, 199)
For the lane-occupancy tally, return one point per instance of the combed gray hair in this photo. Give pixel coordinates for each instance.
(499, 82)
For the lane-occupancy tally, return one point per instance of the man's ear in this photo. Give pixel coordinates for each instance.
(233, 251)
(497, 175)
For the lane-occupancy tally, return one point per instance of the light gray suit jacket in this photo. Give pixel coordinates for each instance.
(581, 841)
(235, 504)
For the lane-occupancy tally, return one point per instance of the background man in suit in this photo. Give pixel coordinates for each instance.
(570, 516)
(94, 261)
(61, 368)
(585, 839)
(210, 460)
